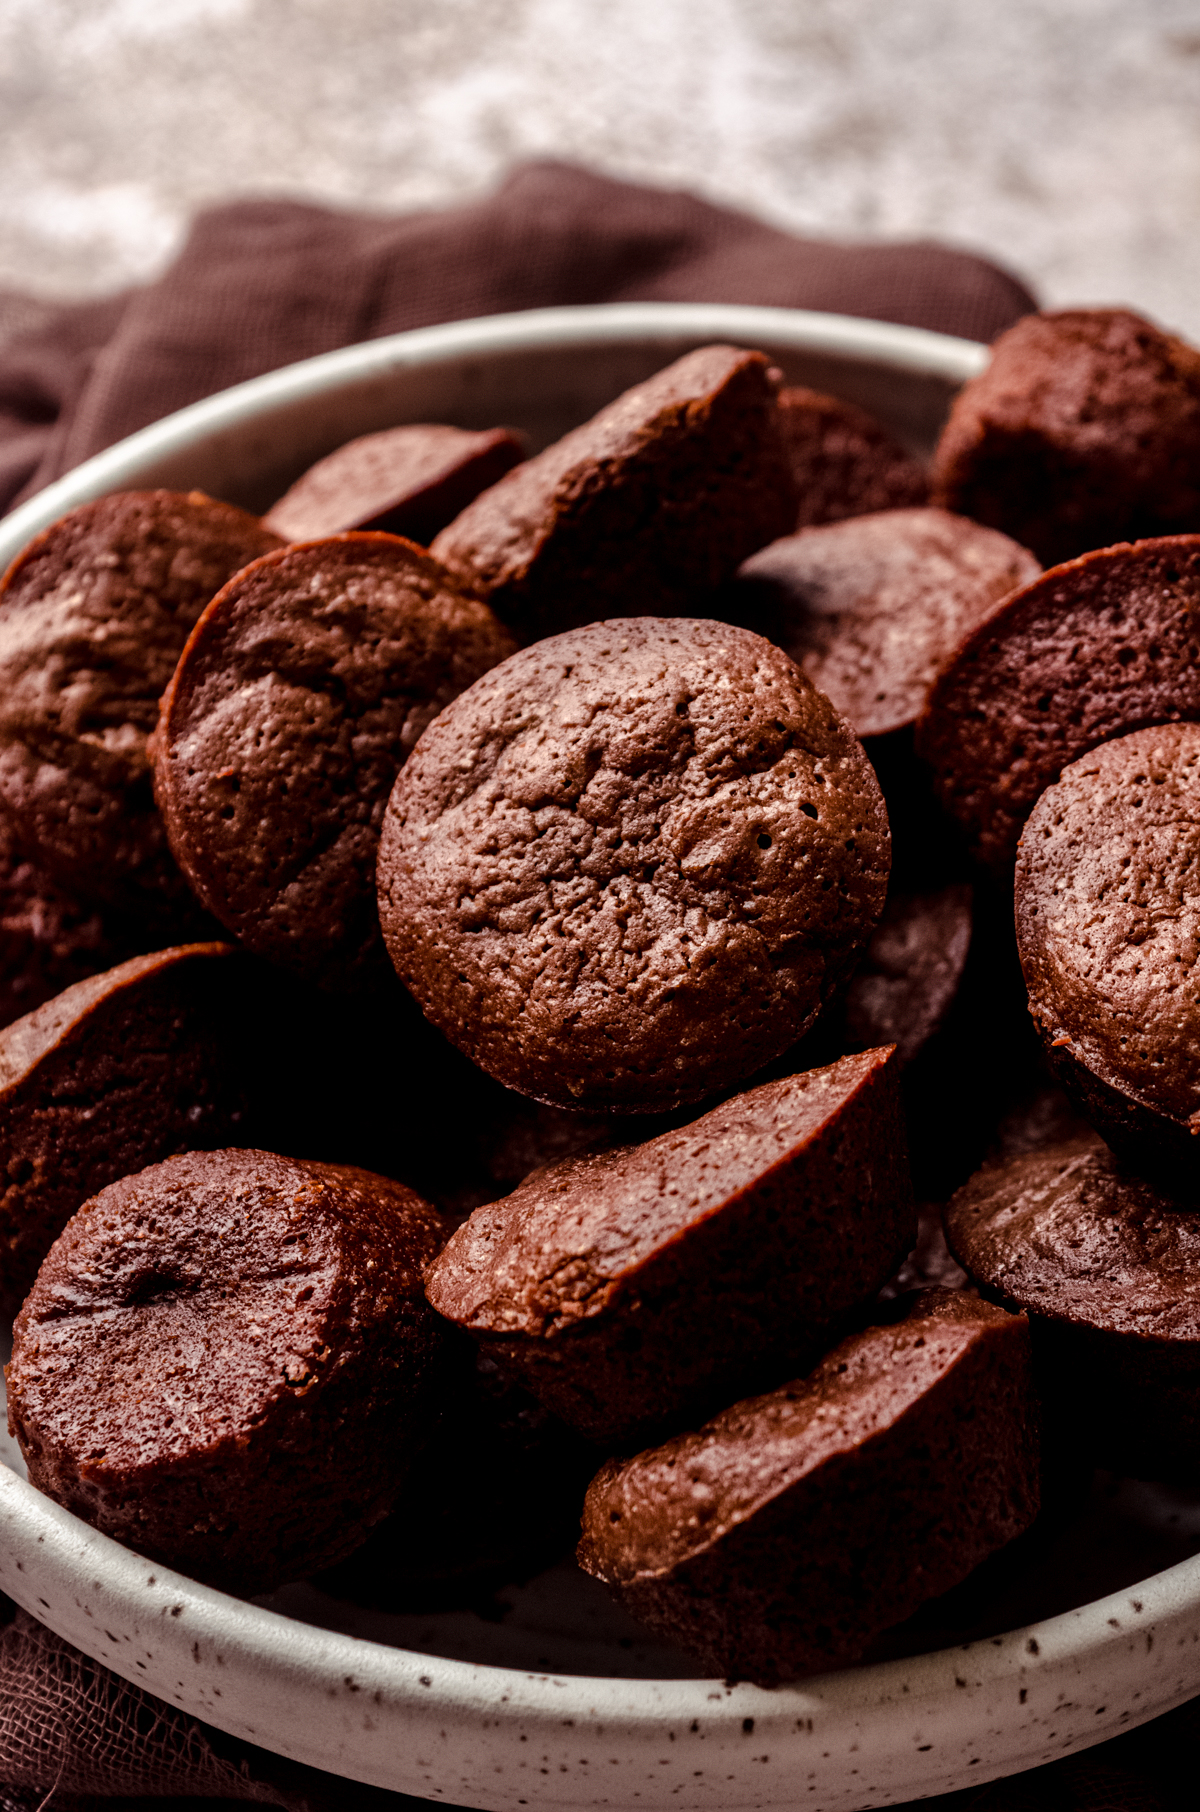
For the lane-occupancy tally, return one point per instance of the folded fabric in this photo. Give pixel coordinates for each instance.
(261, 283)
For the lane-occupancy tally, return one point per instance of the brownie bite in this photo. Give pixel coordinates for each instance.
(1108, 927)
(631, 1289)
(300, 694)
(630, 865)
(642, 510)
(793, 1528)
(845, 463)
(1107, 1268)
(903, 990)
(408, 481)
(113, 1073)
(228, 1364)
(94, 614)
(871, 608)
(1091, 649)
(1083, 430)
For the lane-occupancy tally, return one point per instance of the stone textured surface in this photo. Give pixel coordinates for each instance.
(1062, 139)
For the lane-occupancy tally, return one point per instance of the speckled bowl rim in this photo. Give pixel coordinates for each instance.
(499, 1737)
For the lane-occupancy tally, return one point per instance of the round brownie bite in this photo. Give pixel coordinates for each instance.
(49, 937)
(872, 607)
(227, 1362)
(116, 1071)
(642, 510)
(1107, 1268)
(908, 980)
(300, 694)
(845, 463)
(93, 616)
(408, 481)
(1108, 927)
(631, 864)
(1089, 650)
(632, 1289)
(1083, 430)
(793, 1528)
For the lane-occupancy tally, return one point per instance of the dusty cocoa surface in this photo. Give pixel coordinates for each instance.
(873, 607)
(1084, 430)
(756, 1542)
(643, 510)
(115, 1072)
(1107, 1266)
(93, 617)
(300, 694)
(632, 1288)
(845, 463)
(1092, 649)
(408, 481)
(628, 866)
(227, 1362)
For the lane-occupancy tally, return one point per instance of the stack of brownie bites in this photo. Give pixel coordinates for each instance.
(516, 956)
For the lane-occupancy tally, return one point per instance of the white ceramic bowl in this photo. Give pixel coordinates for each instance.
(562, 1703)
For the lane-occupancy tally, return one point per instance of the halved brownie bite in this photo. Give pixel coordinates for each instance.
(1091, 649)
(1107, 1267)
(410, 481)
(93, 616)
(633, 1288)
(642, 510)
(301, 693)
(1108, 928)
(227, 1362)
(113, 1073)
(787, 1533)
(873, 607)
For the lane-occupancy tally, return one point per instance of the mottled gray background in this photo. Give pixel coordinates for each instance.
(1060, 136)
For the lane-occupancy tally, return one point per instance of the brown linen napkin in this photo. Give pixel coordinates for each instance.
(257, 285)
(261, 283)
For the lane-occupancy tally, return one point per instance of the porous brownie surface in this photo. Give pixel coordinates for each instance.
(1091, 649)
(1083, 430)
(226, 1361)
(301, 692)
(93, 617)
(628, 1288)
(630, 864)
(640, 511)
(844, 461)
(791, 1529)
(410, 481)
(871, 608)
(1108, 915)
(116, 1071)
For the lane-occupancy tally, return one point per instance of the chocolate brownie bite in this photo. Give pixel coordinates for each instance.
(903, 990)
(300, 694)
(1083, 430)
(93, 617)
(1108, 927)
(228, 1364)
(115, 1072)
(873, 607)
(631, 1289)
(793, 1528)
(631, 864)
(1092, 649)
(845, 463)
(1107, 1268)
(642, 510)
(408, 481)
